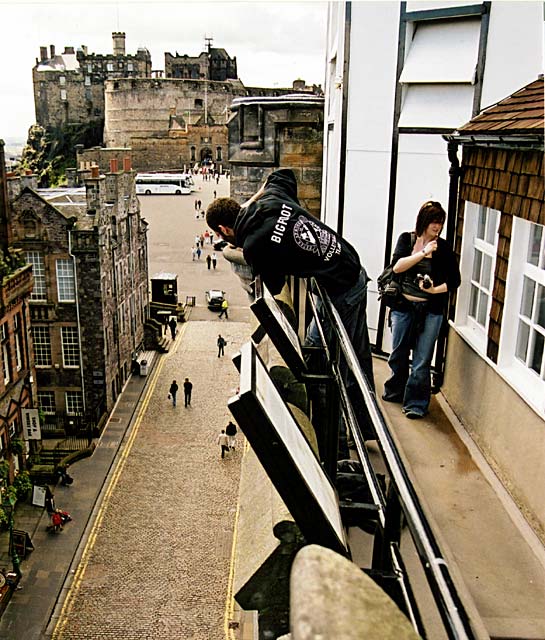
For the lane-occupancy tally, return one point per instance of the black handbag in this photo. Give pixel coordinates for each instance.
(389, 288)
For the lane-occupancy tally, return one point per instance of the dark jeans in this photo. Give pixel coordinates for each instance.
(187, 398)
(412, 388)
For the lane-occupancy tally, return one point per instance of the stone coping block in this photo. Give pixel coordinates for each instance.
(333, 599)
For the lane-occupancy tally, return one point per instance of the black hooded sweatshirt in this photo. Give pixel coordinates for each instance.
(280, 238)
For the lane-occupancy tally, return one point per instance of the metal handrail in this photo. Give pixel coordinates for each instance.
(457, 624)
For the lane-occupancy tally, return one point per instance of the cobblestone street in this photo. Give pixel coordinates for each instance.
(157, 561)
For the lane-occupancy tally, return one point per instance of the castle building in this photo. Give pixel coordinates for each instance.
(87, 247)
(17, 374)
(69, 87)
(212, 64)
(163, 122)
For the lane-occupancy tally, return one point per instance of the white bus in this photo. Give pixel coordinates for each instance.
(164, 183)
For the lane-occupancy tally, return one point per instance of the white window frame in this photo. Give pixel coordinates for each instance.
(63, 95)
(36, 259)
(73, 402)
(529, 384)
(18, 351)
(41, 338)
(46, 402)
(70, 347)
(467, 325)
(66, 284)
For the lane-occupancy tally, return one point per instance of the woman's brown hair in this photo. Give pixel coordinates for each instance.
(430, 211)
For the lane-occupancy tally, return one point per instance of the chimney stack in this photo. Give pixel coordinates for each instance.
(43, 54)
(119, 43)
(52, 49)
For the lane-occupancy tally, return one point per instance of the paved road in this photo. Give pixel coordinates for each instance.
(157, 562)
(171, 235)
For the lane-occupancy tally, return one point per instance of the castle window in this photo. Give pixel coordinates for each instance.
(193, 150)
(218, 154)
(62, 81)
(63, 95)
(30, 228)
(87, 81)
(198, 103)
(129, 66)
(110, 66)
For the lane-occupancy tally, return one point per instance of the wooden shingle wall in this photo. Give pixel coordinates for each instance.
(511, 181)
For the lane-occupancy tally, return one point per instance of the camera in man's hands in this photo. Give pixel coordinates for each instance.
(424, 279)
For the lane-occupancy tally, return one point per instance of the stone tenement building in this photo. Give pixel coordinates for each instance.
(88, 250)
(69, 87)
(17, 375)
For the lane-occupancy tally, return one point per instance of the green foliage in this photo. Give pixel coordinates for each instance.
(22, 484)
(16, 446)
(48, 153)
(10, 261)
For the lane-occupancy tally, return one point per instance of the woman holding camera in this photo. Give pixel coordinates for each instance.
(428, 271)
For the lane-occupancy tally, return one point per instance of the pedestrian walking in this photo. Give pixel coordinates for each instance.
(197, 241)
(49, 500)
(188, 388)
(224, 308)
(172, 323)
(231, 433)
(214, 259)
(223, 442)
(199, 253)
(208, 261)
(56, 521)
(196, 204)
(215, 196)
(193, 253)
(199, 204)
(221, 342)
(172, 392)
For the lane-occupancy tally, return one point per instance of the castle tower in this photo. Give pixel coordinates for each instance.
(118, 38)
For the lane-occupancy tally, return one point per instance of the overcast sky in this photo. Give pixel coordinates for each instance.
(274, 42)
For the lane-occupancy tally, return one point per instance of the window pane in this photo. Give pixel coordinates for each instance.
(70, 346)
(38, 271)
(42, 346)
(527, 297)
(483, 308)
(74, 402)
(491, 226)
(522, 341)
(473, 301)
(487, 268)
(46, 401)
(536, 359)
(65, 281)
(540, 306)
(534, 244)
(477, 260)
(481, 223)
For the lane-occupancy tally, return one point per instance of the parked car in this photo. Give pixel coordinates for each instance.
(214, 299)
(218, 246)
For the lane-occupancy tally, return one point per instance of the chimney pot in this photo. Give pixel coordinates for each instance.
(52, 49)
(127, 164)
(43, 54)
(114, 165)
(94, 171)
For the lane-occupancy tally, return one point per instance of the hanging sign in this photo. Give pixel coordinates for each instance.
(31, 424)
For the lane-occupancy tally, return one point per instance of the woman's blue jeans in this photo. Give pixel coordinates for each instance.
(412, 387)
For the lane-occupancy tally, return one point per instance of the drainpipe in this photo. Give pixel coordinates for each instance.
(454, 172)
(78, 318)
